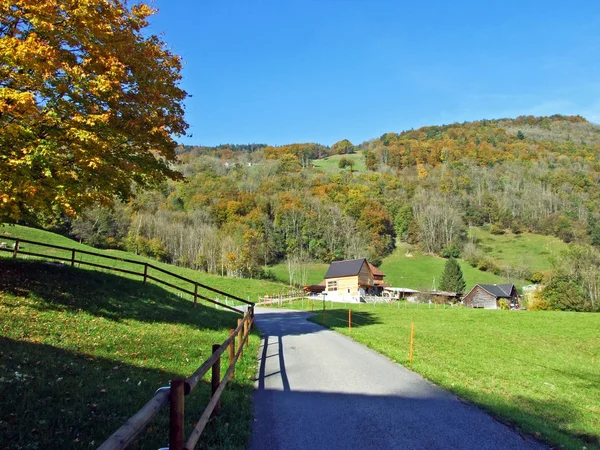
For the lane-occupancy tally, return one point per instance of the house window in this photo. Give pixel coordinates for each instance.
(332, 285)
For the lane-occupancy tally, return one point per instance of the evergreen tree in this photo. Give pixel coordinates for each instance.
(452, 277)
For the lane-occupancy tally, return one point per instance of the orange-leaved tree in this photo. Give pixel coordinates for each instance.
(89, 105)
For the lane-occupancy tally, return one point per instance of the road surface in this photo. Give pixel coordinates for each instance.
(317, 389)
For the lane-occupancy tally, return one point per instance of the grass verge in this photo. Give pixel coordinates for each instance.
(81, 351)
(536, 370)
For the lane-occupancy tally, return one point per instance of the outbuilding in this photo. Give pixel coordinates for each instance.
(487, 296)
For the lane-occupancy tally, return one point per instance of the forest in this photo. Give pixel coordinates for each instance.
(241, 208)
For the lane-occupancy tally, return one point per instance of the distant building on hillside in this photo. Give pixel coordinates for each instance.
(487, 296)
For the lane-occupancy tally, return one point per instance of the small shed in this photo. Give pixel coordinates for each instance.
(487, 296)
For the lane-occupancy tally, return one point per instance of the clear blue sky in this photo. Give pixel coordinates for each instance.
(283, 71)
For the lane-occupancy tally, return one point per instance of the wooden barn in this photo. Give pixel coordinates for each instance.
(346, 281)
(487, 296)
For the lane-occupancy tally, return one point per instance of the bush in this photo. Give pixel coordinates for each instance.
(503, 304)
(565, 294)
(450, 251)
(497, 228)
(537, 277)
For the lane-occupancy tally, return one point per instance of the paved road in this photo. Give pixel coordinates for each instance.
(317, 389)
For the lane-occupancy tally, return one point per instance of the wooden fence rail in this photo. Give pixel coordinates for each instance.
(16, 250)
(175, 394)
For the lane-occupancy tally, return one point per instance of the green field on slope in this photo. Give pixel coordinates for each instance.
(527, 249)
(535, 370)
(82, 350)
(241, 287)
(331, 163)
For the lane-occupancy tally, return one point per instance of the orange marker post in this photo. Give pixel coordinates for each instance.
(349, 320)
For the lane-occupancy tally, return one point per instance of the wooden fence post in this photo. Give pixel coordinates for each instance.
(176, 399)
(145, 272)
(215, 380)
(73, 257)
(349, 320)
(232, 353)
(195, 294)
(241, 335)
(412, 341)
(16, 248)
(246, 323)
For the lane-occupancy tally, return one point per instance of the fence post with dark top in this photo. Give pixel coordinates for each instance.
(16, 249)
(232, 352)
(176, 399)
(216, 380)
(145, 272)
(73, 258)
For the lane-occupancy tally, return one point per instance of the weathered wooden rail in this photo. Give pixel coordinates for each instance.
(179, 389)
(174, 395)
(145, 275)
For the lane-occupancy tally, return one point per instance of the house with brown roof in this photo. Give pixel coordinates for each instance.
(488, 295)
(347, 281)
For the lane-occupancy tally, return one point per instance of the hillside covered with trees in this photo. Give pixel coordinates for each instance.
(244, 207)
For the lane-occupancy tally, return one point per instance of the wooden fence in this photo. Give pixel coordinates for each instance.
(174, 394)
(145, 274)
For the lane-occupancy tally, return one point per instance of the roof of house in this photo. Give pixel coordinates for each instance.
(375, 271)
(345, 268)
(498, 290)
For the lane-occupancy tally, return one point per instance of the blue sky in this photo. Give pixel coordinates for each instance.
(286, 71)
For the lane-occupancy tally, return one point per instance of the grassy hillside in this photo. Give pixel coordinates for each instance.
(527, 249)
(82, 350)
(536, 370)
(331, 163)
(244, 288)
(409, 268)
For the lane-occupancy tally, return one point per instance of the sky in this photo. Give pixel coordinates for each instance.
(285, 71)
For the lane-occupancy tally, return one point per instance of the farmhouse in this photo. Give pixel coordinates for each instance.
(347, 281)
(488, 295)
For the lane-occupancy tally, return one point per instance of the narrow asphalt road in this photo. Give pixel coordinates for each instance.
(317, 389)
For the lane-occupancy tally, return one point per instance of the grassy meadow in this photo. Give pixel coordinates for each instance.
(331, 163)
(81, 351)
(538, 371)
(525, 249)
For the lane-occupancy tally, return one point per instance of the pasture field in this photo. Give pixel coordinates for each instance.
(526, 249)
(331, 163)
(241, 287)
(538, 371)
(81, 351)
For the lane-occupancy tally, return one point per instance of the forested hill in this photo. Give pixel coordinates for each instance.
(242, 208)
(488, 141)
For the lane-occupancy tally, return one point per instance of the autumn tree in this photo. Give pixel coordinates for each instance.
(89, 105)
(342, 147)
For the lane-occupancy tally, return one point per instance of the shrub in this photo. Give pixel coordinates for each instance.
(497, 228)
(564, 293)
(537, 277)
(451, 251)
(503, 304)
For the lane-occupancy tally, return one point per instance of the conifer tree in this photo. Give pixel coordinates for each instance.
(452, 277)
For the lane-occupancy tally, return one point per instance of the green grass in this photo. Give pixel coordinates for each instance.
(538, 371)
(315, 272)
(331, 164)
(410, 269)
(526, 249)
(81, 351)
(241, 287)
